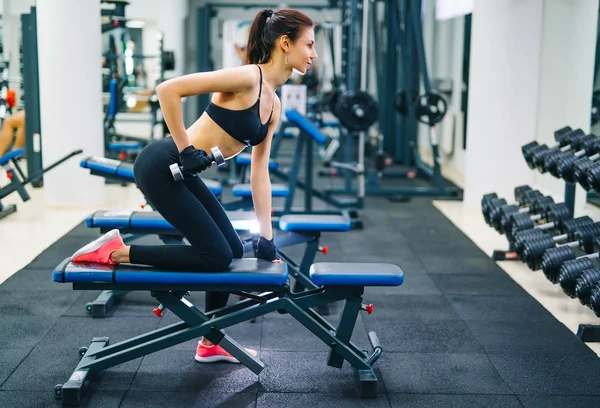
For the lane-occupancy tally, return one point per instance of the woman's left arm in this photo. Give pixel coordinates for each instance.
(260, 181)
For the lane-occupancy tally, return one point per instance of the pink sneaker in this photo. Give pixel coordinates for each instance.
(99, 250)
(214, 354)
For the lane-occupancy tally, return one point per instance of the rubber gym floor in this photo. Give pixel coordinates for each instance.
(458, 333)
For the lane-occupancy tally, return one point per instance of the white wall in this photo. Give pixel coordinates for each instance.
(531, 73)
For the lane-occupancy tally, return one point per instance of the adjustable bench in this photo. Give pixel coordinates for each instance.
(244, 194)
(18, 180)
(122, 172)
(298, 230)
(335, 282)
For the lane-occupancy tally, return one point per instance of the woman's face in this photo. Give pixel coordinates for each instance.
(302, 52)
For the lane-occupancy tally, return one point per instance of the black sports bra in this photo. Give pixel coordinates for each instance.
(243, 125)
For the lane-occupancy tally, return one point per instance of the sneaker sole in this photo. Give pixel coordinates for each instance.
(93, 246)
(215, 359)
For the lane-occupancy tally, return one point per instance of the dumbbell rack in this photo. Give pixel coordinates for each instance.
(588, 333)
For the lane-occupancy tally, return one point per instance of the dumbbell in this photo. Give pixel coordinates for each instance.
(533, 250)
(581, 169)
(540, 205)
(588, 146)
(531, 148)
(555, 213)
(555, 258)
(553, 157)
(545, 156)
(567, 227)
(524, 204)
(491, 200)
(585, 284)
(215, 156)
(595, 299)
(593, 177)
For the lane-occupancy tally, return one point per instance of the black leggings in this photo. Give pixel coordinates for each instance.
(193, 210)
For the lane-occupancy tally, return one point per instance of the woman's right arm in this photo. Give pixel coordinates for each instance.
(170, 92)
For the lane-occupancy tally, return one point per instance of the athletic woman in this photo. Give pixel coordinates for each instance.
(244, 111)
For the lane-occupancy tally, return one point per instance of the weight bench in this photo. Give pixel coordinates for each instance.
(298, 230)
(18, 180)
(244, 194)
(335, 282)
(122, 172)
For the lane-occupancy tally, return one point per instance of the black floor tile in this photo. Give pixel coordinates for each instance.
(549, 374)
(39, 399)
(424, 373)
(306, 372)
(499, 308)
(10, 358)
(508, 337)
(469, 284)
(547, 401)
(453, 401)
(425, 336)
(175, 370)
(319, 400)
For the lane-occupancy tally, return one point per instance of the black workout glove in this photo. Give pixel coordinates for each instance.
(265, 249)
(193, 160)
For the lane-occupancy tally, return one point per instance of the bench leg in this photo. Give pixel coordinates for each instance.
(345, 329)
(5, 211)
(72, 391)
(103, 303)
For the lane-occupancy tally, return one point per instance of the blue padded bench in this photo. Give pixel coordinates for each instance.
(244, 159)
(123, 171)
(314, 222)
(147, 221)
(14, 154)
(293, 116)
(127, 146)
(245, 190)
(263, 289)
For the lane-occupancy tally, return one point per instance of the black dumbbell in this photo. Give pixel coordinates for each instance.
(585, 284)
(491, 200)
(496, 207)
(566, 232)
(570, 272)
(595, 299)
(593, 177)
(540, 205)
(555, 258)
(555, 213)
(533, 250)
(581, 169)
(531, 148)
(565, 168)
(552, 158)
(546, 156)
(215, 156)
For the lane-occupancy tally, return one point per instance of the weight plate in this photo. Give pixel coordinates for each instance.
(430, 108)
(356, 110)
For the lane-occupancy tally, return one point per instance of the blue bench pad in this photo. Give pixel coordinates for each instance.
(245, 190)
(11, 155)
(148, 220)
(245, 271)
(293, 116)
(116, 168)
(108, 167)
(124, 145)
(357, 274)
(246, 158)
(314, 222)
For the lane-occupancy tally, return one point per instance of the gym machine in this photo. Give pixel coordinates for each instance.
(404, 27)
(31, 95)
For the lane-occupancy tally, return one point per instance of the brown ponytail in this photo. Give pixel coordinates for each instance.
(268, 26)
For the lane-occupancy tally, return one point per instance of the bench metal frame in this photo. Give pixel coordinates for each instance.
(194, 324)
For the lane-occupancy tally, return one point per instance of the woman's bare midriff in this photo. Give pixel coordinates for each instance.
(206, 134)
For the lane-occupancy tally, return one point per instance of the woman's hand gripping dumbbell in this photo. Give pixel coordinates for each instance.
(194, 161)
